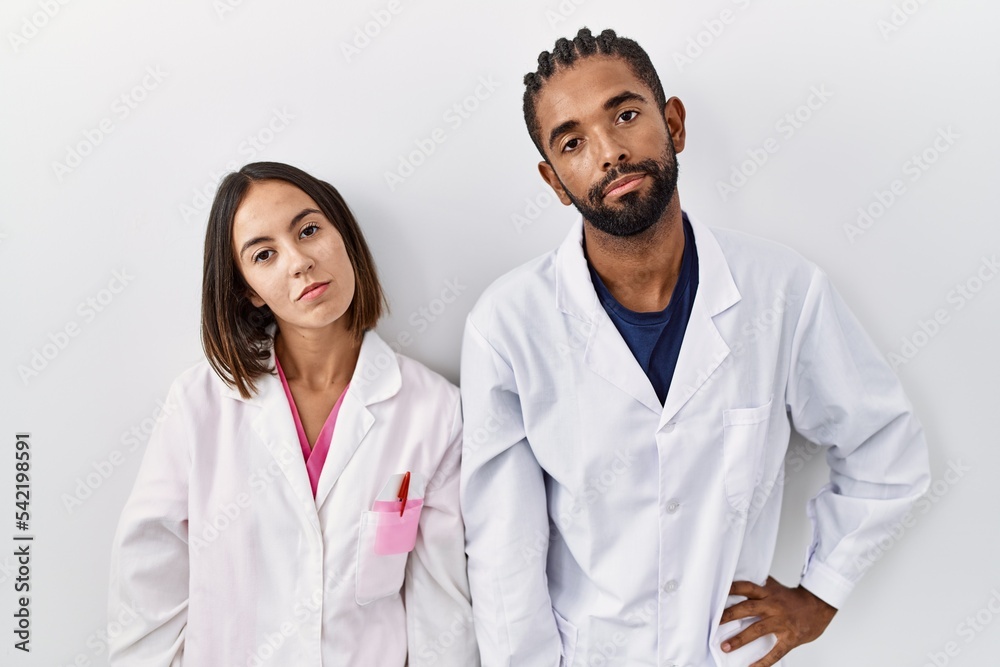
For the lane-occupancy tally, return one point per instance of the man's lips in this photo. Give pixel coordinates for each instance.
(313, 291)
(624, 184)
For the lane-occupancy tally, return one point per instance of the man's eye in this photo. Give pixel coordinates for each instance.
(261, 256)
(571, 145)
(630, 115)
(312, 229)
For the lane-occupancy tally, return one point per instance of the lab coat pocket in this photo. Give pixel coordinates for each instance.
(384, 541)
(743, 444)
(567, 639)
(396, 533)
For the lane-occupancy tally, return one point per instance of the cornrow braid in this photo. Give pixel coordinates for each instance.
(566, 52)
(545, 67)
(563, 51)
(585, 43)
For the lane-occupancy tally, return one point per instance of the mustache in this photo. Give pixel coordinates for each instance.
(646, 166)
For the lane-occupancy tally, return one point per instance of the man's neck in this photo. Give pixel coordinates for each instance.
(640, 271)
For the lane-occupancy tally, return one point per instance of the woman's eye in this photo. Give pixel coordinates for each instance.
(312, 229)
(631, 115)
(261, 256)
(571, 145)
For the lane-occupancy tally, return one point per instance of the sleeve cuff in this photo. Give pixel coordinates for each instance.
(826, 584)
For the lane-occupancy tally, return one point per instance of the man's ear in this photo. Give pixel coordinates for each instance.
(674, 114)
(549, 176)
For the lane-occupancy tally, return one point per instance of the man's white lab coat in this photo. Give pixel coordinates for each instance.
(228, 560)
(606, 528)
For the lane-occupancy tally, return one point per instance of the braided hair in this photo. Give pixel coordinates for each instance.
(566, 52)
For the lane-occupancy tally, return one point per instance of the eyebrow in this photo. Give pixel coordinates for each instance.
(611, 103)
(261, 239)
(627, 96)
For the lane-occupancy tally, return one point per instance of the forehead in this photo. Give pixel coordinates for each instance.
(572, 92)
(270, 202)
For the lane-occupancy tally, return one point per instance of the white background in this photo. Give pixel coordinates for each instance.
(475, 208)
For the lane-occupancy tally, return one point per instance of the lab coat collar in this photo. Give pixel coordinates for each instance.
(376, 378)
(607, 354)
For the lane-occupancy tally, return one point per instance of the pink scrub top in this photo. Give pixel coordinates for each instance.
(315, 456)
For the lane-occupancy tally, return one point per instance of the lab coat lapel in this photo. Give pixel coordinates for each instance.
(376, 378)
(703, 349)
(275, 426)
(607, 354)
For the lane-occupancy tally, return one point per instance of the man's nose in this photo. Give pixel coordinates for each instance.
(612, 151)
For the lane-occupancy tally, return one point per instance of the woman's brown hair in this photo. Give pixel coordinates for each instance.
(233, 331)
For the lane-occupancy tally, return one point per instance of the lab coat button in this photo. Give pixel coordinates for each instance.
(668, 428)
(673, 506)
(670, 586)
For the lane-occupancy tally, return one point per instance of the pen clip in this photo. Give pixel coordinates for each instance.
(404, 492)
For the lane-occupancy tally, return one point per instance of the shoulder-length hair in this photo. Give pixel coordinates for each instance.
(234, 333)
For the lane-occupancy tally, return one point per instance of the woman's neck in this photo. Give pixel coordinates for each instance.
(317, 359)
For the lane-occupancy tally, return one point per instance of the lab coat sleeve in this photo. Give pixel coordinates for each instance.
(438, 609)
(506, 516)
(149, 557)
(843, 395)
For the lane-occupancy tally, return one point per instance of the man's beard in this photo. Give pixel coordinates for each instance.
(634, 212)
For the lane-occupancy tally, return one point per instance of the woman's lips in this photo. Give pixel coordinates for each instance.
(314, 292)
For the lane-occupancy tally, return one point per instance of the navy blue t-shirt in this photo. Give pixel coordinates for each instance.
(655, 338)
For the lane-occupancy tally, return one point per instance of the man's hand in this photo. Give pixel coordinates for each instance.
(794, 615)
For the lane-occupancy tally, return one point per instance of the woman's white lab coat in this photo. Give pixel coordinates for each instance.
(226, 558)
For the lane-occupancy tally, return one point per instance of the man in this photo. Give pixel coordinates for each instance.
(628, 401)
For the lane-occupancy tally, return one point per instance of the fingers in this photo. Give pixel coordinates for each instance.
(777, 653)
(750, 633)
(748, 589)
(754, 632)
(792, 616)
(743, 610)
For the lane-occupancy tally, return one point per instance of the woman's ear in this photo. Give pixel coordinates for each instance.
(254, 299)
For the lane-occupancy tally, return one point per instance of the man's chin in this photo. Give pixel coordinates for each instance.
(622, 231)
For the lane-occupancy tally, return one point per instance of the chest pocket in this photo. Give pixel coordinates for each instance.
(743, 445)
(385, 540)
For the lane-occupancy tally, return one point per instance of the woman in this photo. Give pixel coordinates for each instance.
(299, 503)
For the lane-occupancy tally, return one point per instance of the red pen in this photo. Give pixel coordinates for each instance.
(404, 491)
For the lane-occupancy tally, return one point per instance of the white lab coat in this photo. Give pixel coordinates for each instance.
(605, 528)
(228, 560)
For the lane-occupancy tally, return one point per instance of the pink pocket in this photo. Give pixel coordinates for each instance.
(396, 534)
